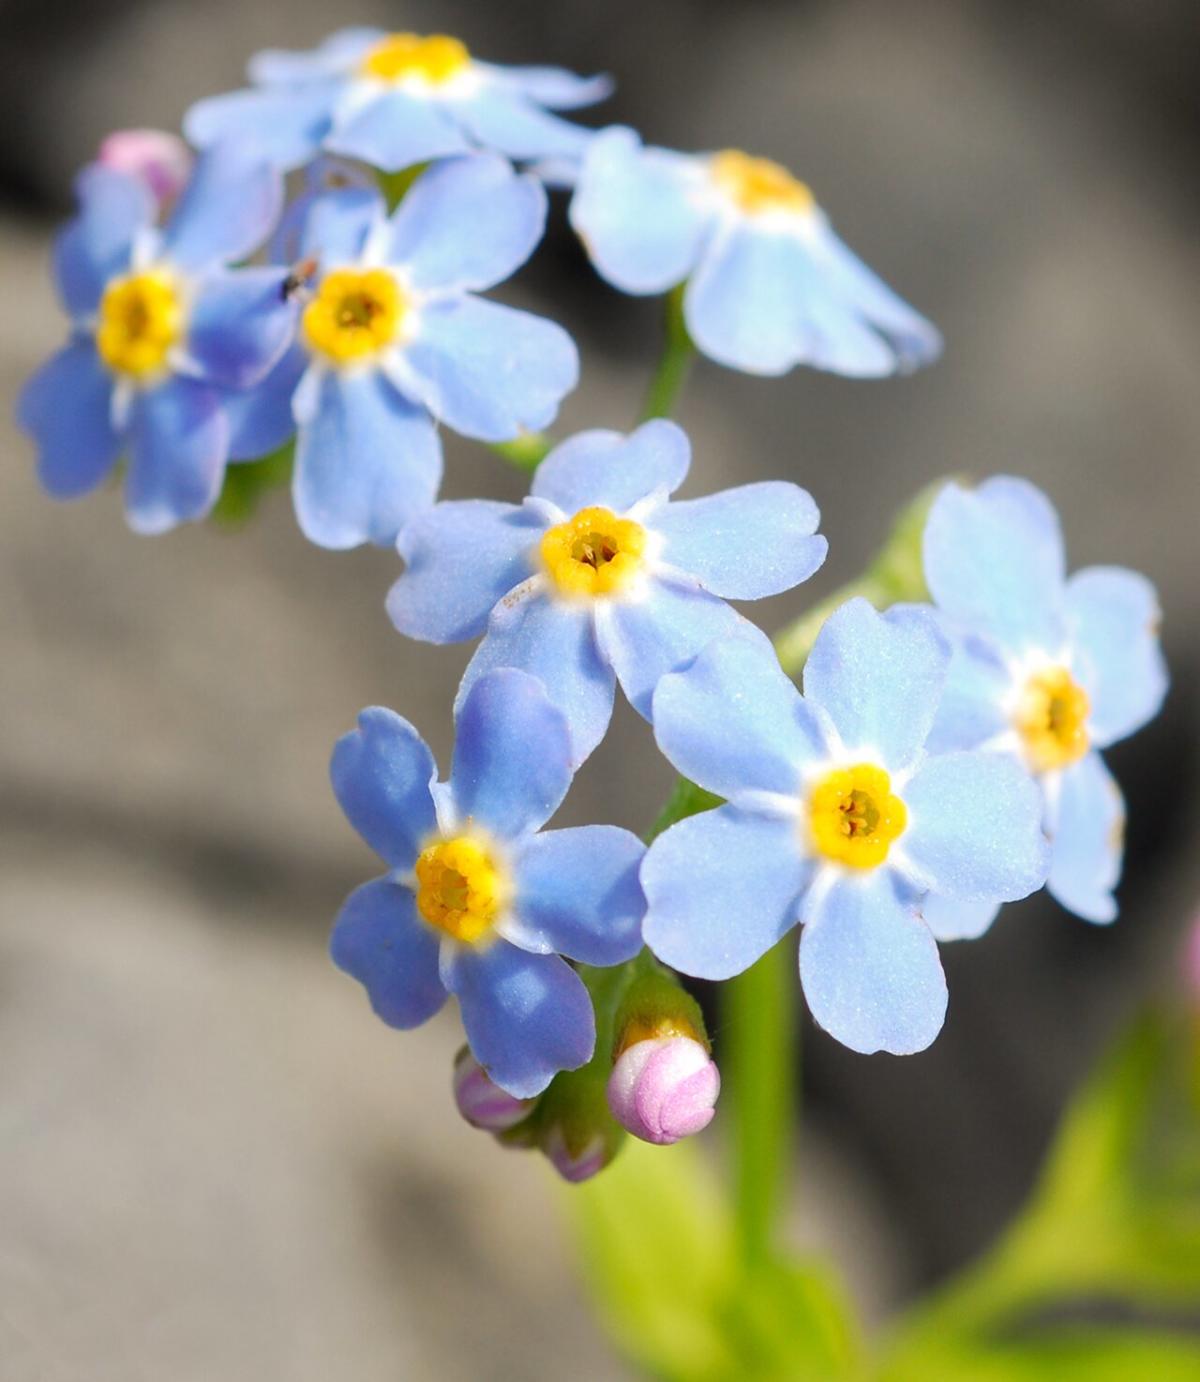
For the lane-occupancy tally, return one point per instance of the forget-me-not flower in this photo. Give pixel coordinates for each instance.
(479, 901)
(836, 817)
(769, 284)
(163, 337)
(394, 100)
(597, 577)
(1046, 668)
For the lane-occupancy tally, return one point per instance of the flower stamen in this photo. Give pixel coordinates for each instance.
(594, 553)
(854, 816)
(141, 317)
(356, 314)
(1052, 719)
(460, 888)
(432, 60)
(758, 185)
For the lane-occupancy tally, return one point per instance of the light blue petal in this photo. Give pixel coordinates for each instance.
(366, 465)
(467, 223)
(879, 677)
(285, 126)
(601, 467)
(555, 641)
(337, 222)
(744, 543)
(994, 562)
(260, 419)
(379, 940)
(97, 244)
(578, 894)
(972, 706)
(1113, 618)
(951, 920)
(335, 54)
(239, 326)
(733, 722)
(67, 409)
(395, 130)
(721, 888)
(870, 969)
(461, 558)
(512, 754)
(635, 212)
(381, 774)
(665, 625)
(507, 122)
(974, 828)
(553, 87)
(179, 443)
(1087, 833)
(526, 1016)
(229, 207)
(490, 371)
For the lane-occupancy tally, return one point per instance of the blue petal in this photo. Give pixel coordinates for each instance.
(67, 409)
(733, 722)
(577, 893)
(974, 828)
(467, 223)
(744, 543)
(635, 212)
(381, 774)
(1086, 822)
(260, 419)
(380, 941)
(526, 1016)
(553, 87)
(721, 888)
(512, 754)
(879, 677)
(665, 625)
(510, 124)
(972, 708)
(461, 558)
(490, 371)
(337, 222)
(870, 968)
(240, 326)
(602, 467)
(555, 641)
(949, 919)
(179, 443)
(367, 463)
(395, 130)
(97, 244)
(994, 562)
(285, 127)
(228, 208)
(1113, 617)
(335, 54)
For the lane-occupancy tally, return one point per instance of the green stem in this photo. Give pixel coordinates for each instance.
(675, 362)
(526, 452)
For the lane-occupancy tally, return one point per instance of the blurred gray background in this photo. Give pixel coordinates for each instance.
(214, 1163)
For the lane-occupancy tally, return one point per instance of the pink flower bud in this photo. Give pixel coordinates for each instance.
(483, 1104)
(664, 1088)
(160, 160)
(580, 1165)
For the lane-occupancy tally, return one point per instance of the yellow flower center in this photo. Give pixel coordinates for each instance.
(141, 317)
(460, 889)
(1052, 719)
(854, 816)
(404, 57)
(757, 185)
(355, 314)
(594, 553)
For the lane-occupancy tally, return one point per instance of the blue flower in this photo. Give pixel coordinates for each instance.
(394, 100)
(478, 900)
(394, 340)
(163, 336)
(769, 284)
(597, 578)
(1046, 669)
(835, 816)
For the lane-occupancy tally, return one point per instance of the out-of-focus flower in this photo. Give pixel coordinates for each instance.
(481, 1101)
(663, 1088)
(597, 578)
(836, 817)
(479, 902)
(394, 100)
(769, 284)
(1046, 670)
(156, 157)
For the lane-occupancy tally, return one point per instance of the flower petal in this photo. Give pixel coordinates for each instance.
(337, 222)
(602, 467)
(949, 919)
(870, 968)
(228, 208)
(335, 54)
(286, 127)
(240, 326)
(179, 443)
(97, 244)
(380, 941)
(506, 121)
(67, 409)
(553, 87)
(261, 419)
(1086, 822)
(394, 130)
(972, 708)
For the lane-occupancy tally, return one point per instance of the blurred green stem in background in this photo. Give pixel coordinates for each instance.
(674, 364)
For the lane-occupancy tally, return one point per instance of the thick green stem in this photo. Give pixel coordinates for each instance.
(675, 362)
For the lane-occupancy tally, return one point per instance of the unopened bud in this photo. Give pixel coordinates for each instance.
(162, 161)
(483, 1103)
(581, 1162)
(664, 1088)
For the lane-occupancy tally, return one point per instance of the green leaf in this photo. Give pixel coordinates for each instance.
(246, 482)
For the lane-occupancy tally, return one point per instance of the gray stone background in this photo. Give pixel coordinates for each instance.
(214, 1164)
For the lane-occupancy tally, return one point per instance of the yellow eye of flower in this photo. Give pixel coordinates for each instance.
(1052, 719)
(758, 185)
(854, 817)
(594, 553)
(355, 314)
(401, 57)
(141, 317)
(460, 888)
